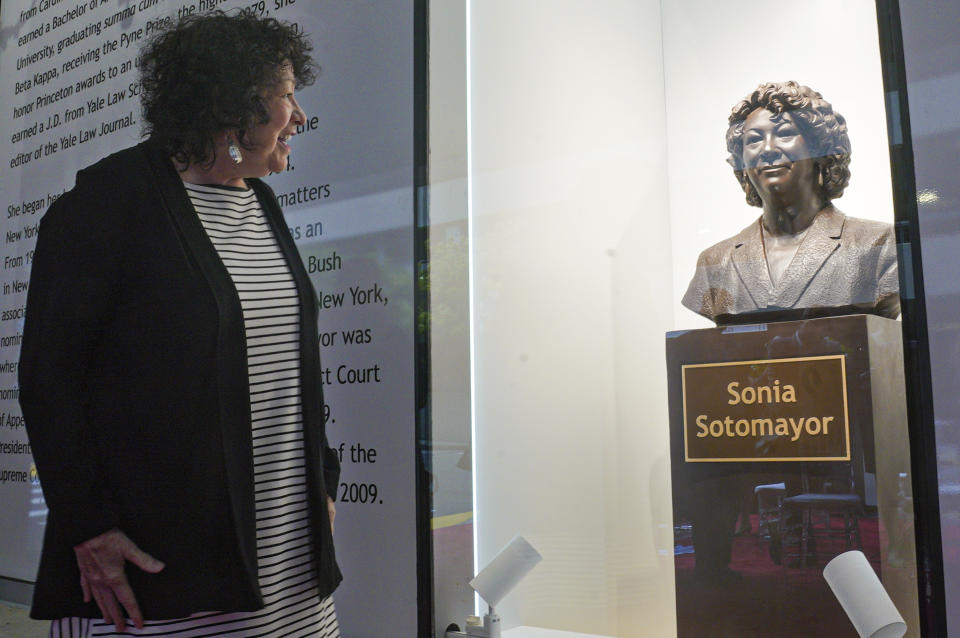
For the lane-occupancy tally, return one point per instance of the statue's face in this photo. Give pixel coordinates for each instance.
(777, 157)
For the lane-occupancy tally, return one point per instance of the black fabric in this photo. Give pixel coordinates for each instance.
(133, 385)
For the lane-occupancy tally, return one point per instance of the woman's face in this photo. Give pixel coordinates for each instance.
(269, 143)
(776, 157)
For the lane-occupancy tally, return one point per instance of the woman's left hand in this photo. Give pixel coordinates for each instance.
(102, 561)
(332, 511)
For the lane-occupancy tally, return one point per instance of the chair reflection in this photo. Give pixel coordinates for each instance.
(827, 509)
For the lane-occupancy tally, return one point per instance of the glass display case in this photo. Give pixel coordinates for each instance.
(610, 179)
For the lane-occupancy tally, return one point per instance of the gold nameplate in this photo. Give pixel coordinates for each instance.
(767, 410)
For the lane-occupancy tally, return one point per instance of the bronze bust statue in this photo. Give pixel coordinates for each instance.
(790, 152)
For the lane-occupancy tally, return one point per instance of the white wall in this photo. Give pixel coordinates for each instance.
(571, 263)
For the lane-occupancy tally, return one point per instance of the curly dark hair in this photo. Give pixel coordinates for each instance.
(206, 73)
(824, 130)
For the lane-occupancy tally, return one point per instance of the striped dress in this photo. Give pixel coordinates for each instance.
(241, 234)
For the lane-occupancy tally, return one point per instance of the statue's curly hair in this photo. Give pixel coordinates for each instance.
(824, 130)
(207, 73)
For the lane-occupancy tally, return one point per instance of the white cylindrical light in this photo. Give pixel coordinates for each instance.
(506, 570)
(862, 596)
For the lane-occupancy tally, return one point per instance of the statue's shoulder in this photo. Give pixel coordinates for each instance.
(870, 226)
(862, 232)
(723, 250)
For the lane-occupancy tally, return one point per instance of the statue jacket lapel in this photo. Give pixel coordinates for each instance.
(821, 242)
(750, 263)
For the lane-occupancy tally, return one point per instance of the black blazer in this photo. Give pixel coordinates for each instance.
(133, 384)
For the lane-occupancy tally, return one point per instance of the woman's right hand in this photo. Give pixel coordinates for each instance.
(102, 560)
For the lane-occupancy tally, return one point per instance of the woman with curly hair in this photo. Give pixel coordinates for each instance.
(790, 153)
(169, 367)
